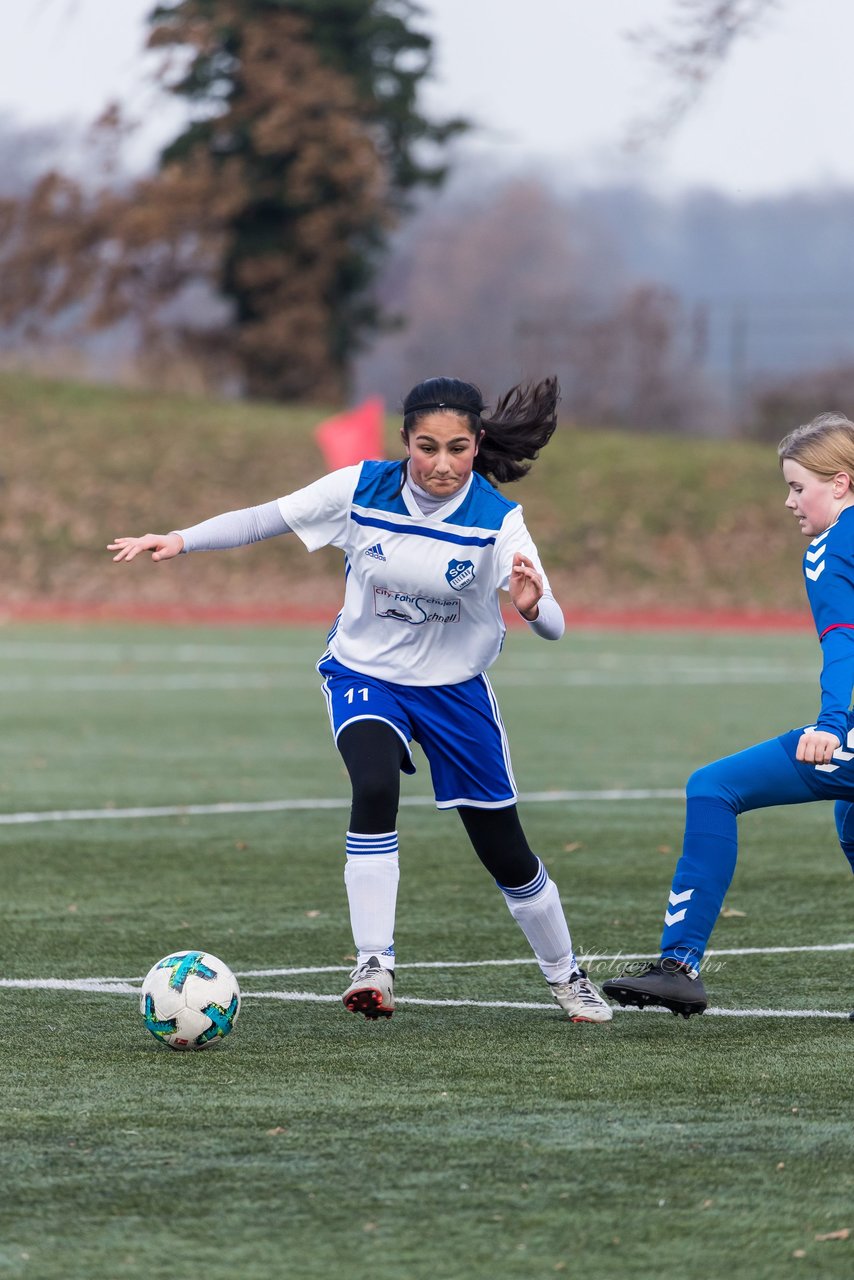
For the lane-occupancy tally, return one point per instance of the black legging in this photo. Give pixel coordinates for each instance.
(373, 754)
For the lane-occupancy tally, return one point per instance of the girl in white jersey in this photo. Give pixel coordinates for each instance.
(428, 542)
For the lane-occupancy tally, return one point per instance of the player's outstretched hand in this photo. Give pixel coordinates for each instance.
(163, 546)
(525, 586)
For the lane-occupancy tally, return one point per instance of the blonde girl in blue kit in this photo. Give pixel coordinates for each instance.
(815, 762)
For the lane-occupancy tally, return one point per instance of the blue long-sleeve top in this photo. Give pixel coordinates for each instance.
(829, 578)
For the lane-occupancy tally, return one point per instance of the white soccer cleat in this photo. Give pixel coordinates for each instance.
(371, 990)
(580, 1000)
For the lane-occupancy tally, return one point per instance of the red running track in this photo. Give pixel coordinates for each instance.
(630, 619)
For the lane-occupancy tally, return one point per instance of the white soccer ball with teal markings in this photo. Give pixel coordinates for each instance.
(189, 1000)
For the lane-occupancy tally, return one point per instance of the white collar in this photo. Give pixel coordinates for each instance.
(440, 512)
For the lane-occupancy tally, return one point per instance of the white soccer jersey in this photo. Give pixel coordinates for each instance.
(420, 604)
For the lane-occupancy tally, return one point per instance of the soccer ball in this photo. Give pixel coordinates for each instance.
(189, 1000)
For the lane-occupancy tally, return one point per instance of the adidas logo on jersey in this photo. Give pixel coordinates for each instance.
(375, 551)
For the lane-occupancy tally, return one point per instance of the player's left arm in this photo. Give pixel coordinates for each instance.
(525, 586)
(832, 601)
(837, 679)
(522, 575)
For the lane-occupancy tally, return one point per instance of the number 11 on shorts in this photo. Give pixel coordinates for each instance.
(350, 695)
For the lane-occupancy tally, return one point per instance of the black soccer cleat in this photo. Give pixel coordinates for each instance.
(668, 984)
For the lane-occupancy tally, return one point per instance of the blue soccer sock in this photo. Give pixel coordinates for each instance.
(702, 877)
(371, 875)
(764, 775)
(844, 814)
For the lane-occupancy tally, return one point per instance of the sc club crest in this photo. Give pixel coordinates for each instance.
(460, 574)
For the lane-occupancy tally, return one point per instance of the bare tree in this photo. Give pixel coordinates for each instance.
(778, 404)
(516, 282)
(25, 152)
(690, 54)
(464, 274)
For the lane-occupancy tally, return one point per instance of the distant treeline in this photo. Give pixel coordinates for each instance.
(700, 313)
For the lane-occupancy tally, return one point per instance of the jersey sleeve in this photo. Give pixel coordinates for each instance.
(319, 514)
(235, 528)
(837, 679)
(831, 596)
(513, 536)
(549, 623)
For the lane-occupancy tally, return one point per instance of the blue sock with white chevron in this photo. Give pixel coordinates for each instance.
(537, 909)
(371, 875)
(701, 879)
(844, 813)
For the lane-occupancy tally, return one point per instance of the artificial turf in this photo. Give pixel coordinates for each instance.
(456, 1140)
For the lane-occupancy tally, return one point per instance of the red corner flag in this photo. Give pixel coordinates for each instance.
(353, 436)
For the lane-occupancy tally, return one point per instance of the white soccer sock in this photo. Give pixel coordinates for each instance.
(537, 909)
(371, 875)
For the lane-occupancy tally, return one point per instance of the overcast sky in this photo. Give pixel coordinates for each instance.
(552, 82)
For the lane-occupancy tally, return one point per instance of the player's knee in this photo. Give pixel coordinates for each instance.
(708, 783)
(376, 790)
(376, 795)
(714, 793)
(513, 869)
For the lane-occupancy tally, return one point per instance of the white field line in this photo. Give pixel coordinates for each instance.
(130, 986)
(631, 677)
(584, 958)
(161, 655)
(312, 997)
(142, 683)
(281, 806)
(287, 653)
(200, 682)
(113, 986)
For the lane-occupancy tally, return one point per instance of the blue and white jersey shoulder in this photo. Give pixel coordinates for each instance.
(829, 574)
(482, 506)
(420, 604)
(380, 488)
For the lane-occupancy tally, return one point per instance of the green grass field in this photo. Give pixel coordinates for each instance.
(476, 1133)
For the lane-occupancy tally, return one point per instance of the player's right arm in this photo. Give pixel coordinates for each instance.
(231, 529)
(318, 514)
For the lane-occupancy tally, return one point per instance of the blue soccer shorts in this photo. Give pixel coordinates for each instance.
(457, 726)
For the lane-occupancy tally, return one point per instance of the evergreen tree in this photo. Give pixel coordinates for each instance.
(312, 107)
(304, 144)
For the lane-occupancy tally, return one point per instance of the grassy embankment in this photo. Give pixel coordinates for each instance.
(621, 520)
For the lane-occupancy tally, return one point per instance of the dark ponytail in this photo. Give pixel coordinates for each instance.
(524, 420)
